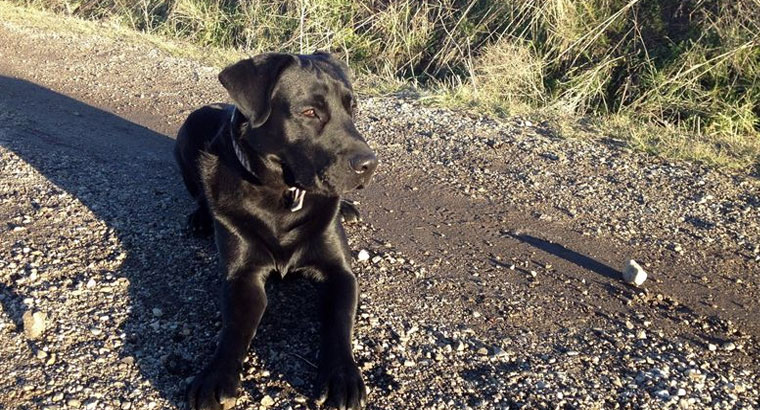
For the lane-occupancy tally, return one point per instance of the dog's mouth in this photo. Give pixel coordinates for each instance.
(317, 182)
(324, 181)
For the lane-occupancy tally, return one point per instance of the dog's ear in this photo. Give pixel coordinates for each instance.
(250, 83)
(339, 67)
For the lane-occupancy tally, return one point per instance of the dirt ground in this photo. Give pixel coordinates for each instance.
(496, 251)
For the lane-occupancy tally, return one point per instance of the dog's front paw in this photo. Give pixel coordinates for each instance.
(200, 224)
(341, 387)
(213, 389)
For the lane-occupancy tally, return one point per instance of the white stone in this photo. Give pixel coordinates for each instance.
(363, 256)
(34, 324)
(634, 274)
(267, 401)
(662, 394)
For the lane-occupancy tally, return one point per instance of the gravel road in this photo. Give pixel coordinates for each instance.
(494, 271)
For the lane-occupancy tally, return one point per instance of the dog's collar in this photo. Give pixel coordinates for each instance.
(298, 193)
(242, 158)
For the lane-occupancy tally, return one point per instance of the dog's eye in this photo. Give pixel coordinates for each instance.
(311, 113)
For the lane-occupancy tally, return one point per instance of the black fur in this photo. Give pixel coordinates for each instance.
(293, 124)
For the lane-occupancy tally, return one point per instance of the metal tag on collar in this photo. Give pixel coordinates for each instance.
(298, 195)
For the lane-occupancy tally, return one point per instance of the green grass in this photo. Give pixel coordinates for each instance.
(680, 79)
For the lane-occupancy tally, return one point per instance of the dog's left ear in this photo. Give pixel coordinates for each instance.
(250, 83)
(341, 68)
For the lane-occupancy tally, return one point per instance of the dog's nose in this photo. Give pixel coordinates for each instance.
(364, 163)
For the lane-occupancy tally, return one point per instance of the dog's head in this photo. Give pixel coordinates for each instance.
(299, 112)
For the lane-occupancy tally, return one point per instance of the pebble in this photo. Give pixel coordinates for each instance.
(158, 312)
(34, 324)
(662, 394)
(634, 274)
(267, 401)
(363, 256)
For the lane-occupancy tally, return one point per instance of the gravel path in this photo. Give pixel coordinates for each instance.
(493, 271)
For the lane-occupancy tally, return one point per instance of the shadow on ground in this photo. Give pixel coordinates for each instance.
(125, 174)
(569, 255)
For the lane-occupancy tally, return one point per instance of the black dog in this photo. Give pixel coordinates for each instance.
(267, 174)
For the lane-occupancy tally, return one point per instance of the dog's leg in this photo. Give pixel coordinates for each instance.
(339, 380)
(200, 222)
(244, 302)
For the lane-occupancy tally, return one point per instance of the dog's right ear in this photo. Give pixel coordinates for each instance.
(250, 83)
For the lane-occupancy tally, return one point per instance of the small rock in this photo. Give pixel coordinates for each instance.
(729, 346)
(634, 274)
(57, 397)
(158, 312)
(483, 351)
(377, 259)
(363, 256)
(74, 403)
(662, 394)
(34, 324)
(267, 401)
(711, 347)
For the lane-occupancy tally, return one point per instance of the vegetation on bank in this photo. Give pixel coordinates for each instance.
(678, 78)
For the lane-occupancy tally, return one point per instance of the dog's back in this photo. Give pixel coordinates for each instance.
(194, 137)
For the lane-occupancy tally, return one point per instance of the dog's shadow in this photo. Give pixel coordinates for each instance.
(125, 174)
